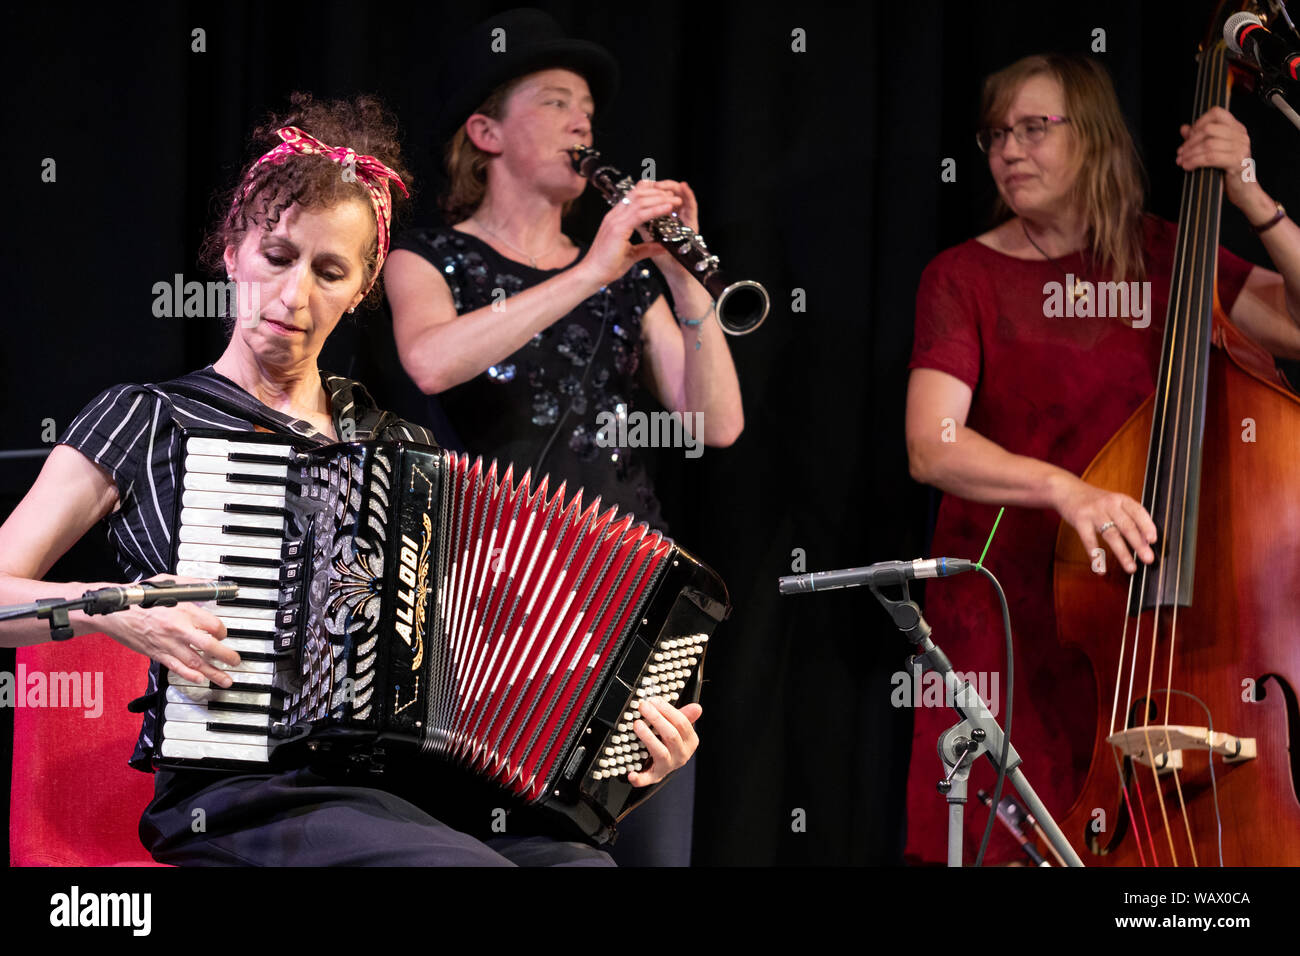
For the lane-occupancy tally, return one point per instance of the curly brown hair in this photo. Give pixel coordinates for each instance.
(362, 123)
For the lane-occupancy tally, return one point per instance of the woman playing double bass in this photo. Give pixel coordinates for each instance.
(1010, 396)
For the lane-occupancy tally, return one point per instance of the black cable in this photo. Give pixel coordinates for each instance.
(591, 363)
(1006, 731)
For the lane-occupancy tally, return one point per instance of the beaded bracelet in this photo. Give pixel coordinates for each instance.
(696, 324)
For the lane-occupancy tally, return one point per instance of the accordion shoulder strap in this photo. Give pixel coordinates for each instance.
(370, 422)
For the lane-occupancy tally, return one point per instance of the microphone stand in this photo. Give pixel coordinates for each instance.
(54, 610)
(102, 601)
(978, 733)
(1274, 96)
(1270, 86)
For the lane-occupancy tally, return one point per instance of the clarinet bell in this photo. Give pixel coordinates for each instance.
(742, 306)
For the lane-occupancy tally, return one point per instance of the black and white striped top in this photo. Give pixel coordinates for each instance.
(135, 433)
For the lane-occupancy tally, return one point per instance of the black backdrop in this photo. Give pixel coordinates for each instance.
(817, 171)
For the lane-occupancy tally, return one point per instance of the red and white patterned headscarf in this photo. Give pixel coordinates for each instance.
(370, 172)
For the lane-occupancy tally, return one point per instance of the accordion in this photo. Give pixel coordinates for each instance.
(399, 602)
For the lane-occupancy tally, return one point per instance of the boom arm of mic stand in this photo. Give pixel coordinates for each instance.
(1271, 87)
(1274, 96)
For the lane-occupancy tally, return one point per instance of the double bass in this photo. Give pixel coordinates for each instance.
(1196, 747)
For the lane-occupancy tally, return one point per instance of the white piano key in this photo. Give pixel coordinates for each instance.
(213, 570)
(220, 465)
(198, 481)
(175, 679)
(254, 594)
(243, 645)
(224, 446)
(232, 616)
(200, 714)
(185, 694)
(190, 551)
(213, 501)
(266, 627)
(201, 534)
(212, 518)
(245, 667)
(200, 750)
(185, 730)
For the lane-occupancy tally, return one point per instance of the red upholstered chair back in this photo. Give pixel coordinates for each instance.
(75, 802)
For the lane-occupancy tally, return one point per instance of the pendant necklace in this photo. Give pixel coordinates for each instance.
(1080, 291)
(532, 260)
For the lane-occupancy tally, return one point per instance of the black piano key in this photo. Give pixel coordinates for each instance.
(235, 477)
(250, 602)
(247, 632)
(239, 708)
(257, 532)
(216, 727)
(240, 509)
(235, 560)
(257, 459)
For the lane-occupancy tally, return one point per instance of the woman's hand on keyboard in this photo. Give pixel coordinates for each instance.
(186, 639)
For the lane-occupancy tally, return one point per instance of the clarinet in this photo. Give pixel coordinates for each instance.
(741, 305)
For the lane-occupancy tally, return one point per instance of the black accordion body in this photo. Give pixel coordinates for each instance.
(400, 602)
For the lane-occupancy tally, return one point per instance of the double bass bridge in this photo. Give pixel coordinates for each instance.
(1162, 745)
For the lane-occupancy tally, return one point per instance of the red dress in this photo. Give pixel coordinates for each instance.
(1055, 389)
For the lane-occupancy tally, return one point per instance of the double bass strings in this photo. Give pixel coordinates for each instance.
(1195, 285)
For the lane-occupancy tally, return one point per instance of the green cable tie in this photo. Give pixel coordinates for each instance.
(980, 562)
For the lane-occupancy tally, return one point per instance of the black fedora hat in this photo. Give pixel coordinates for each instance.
(508, 45)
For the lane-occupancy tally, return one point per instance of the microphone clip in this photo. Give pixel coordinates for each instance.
(56, 611)
(905, 613)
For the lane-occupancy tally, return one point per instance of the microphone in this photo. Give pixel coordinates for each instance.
(1247, 37)
(883, 572)
(146, 594)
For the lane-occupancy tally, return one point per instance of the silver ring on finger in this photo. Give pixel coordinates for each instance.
(1106, 527)
(625, 201)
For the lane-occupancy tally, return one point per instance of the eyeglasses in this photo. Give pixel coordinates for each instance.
(1028, 131)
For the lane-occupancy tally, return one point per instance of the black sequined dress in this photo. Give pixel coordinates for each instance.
(539, 406)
